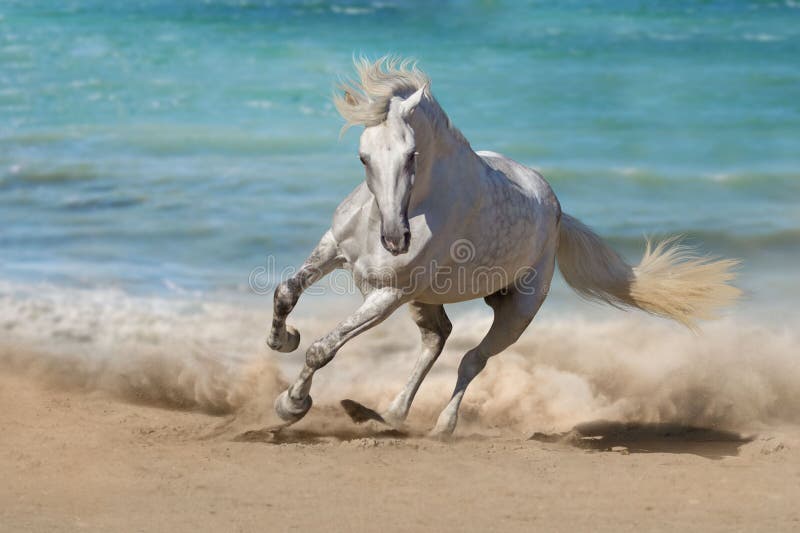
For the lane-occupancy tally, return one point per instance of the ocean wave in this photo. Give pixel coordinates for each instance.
(50, 174)
(351, 10)
(762, 37)
(789, 180)
(87, 203)
(179, 141)
(768, 240)
(171, 139)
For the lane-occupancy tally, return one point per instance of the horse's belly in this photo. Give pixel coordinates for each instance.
(465, 285)
(491, 259)
(469, 278)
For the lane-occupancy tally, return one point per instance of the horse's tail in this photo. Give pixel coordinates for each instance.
(670, 281)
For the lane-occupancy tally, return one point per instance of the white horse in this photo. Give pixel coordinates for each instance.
(436, 222)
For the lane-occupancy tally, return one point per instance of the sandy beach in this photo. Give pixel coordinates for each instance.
(78, 461)
(150, 417)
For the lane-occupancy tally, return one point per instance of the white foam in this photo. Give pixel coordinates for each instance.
(761, 37)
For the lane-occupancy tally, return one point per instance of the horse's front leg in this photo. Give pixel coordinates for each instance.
(295, 401)
(435, 327)
(322, 260)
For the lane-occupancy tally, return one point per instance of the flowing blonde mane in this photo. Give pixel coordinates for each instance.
(365, 101)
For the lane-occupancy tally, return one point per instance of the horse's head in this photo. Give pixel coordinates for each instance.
(388, 152)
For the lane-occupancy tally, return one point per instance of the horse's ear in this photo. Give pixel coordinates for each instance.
(410, 104)
(350, 99)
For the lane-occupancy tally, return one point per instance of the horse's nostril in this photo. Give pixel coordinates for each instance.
(396, 244)
(389, 243)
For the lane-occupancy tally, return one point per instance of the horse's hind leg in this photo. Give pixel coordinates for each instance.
(295, 401)
(322, 260)
(514, 308)
(434, 327)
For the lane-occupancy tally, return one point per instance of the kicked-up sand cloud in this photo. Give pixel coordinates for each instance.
(210, 357)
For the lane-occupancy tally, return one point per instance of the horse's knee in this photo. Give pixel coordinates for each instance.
(318, 355)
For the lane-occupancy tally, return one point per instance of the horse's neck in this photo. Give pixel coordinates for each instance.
(446, 164)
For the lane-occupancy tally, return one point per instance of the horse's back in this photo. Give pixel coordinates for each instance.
(518, 218)
(529, 182)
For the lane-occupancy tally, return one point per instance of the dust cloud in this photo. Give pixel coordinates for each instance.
(564, 371)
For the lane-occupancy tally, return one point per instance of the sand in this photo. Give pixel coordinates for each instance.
(73, 460)
(126, 414)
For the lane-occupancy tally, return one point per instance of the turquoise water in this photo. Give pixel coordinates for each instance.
(162, 146)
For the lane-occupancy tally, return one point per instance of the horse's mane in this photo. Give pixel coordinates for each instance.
(364, 100)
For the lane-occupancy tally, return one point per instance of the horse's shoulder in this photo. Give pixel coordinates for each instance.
(347, 214)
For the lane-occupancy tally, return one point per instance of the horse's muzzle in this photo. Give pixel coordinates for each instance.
(397, 245)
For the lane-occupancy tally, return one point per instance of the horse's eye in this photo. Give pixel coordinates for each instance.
(363, 160)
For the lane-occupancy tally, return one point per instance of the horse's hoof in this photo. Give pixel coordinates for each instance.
(290, 410)
(359, 413)
(439, 435)
(443, 432)
(289, 342)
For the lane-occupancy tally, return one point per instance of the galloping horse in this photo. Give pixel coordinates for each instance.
(436, 222)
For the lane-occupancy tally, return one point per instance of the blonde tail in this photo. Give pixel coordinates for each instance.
(671, 280)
